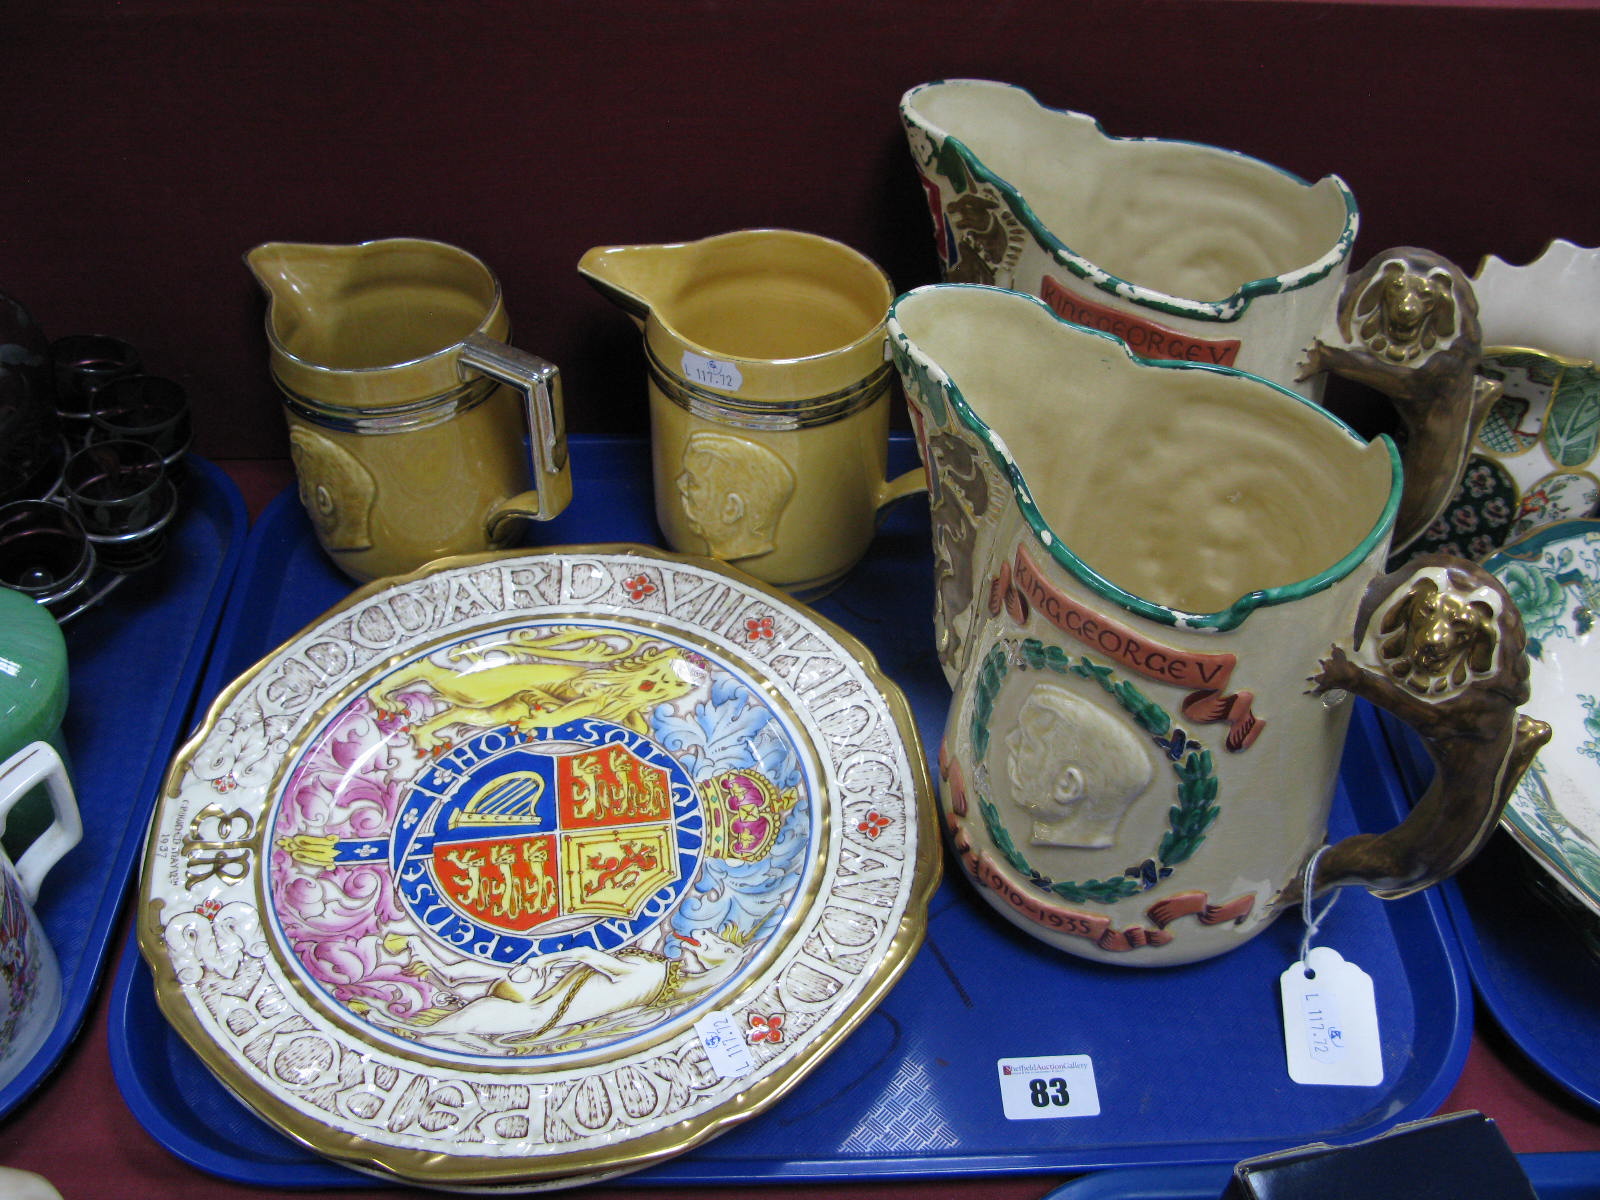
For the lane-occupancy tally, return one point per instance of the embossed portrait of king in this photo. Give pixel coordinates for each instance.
(734, 492)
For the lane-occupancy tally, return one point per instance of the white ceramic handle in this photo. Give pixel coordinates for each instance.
(21, 773)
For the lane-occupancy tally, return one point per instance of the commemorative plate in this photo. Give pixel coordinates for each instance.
(531, 868)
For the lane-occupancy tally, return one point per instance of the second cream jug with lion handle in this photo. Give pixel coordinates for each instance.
(1158, 585)
(1202, 254)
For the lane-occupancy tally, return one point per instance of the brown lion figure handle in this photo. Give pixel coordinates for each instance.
(1439, 644)
(1407, 324)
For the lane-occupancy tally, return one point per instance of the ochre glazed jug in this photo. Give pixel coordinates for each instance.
(1158, 585)
(416, 431)
(769, 397)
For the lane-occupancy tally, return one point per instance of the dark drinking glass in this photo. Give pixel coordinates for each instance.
(82, 364)
(120, 492)
(44, 553)
(144, 408)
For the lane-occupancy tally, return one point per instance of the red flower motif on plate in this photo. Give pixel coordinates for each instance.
(766, 1029)
(874, 823)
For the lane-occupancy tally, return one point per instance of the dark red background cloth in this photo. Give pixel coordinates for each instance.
(145, 145)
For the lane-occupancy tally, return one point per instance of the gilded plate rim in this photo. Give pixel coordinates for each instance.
(917, 879)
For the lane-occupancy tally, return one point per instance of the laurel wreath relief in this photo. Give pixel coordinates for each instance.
(1187, 821)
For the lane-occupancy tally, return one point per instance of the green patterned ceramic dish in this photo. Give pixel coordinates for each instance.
(1554, 575)
(1534, 461)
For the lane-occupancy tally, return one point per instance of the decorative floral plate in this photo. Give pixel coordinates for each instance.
(1536, 458)
(1554, 576)
(531, 868)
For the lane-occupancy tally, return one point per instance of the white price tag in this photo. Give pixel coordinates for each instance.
(1330, 1022)
(729, 1055)
(1032, 1089)
(712, 372)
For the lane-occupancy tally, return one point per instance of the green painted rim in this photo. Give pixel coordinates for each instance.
(1221, 620)
(1230, 308)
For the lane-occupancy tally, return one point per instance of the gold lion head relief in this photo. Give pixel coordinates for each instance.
(1406, 306)
(1441, 634)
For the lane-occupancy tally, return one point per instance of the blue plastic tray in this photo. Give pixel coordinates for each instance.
(1540, 984)
(1189, 1061)
(134, 661)
(1553, 1176)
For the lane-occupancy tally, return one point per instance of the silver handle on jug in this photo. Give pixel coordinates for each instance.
(539, 381)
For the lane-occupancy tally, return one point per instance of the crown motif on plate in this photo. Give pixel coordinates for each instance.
(744, 814)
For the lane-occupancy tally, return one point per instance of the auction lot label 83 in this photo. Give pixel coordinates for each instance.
(1032, 1089)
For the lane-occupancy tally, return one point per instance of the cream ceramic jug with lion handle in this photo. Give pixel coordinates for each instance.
(416, 431)
(1201, 254)
(1158, 585)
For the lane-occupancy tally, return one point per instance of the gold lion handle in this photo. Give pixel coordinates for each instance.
(1407, 325)
(1440, 644)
